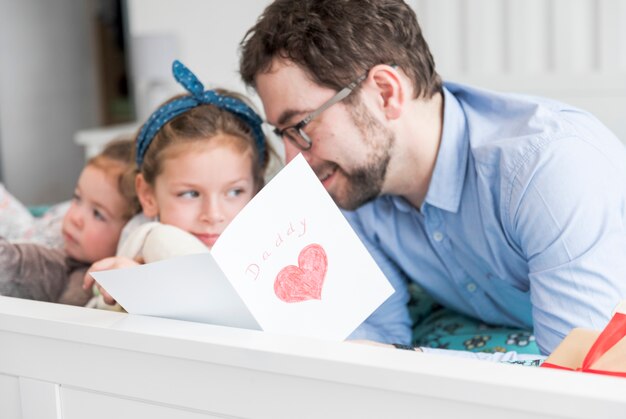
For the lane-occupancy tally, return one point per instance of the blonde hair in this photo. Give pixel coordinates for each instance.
(202, 124)
(117, 160)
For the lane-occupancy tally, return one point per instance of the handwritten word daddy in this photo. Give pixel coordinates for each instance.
(293, 230)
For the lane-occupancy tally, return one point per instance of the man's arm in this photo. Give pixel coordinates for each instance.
(566, 214)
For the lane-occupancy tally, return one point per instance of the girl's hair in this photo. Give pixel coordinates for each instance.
(117, 160)
(200, 125)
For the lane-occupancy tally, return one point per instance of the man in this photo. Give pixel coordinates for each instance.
(507, 208)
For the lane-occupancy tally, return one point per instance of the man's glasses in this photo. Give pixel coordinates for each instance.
(295, 133)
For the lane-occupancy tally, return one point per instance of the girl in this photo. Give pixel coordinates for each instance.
(91, 228)
(201, 157)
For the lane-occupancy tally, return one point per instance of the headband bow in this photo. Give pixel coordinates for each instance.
(197, 96)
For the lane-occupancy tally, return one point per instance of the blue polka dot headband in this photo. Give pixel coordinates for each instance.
(197, 96)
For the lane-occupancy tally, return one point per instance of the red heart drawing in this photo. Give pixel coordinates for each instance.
(303, 282)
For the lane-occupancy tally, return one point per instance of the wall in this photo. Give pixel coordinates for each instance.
(208, 32)
(47, 92)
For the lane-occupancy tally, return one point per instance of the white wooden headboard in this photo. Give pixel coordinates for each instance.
(569, 50)
(63, 362)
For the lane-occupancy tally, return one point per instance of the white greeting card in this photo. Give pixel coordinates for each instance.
(288, 263)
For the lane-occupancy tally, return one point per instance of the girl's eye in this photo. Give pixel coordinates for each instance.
(189, 194)
(235, 192)
(76, 197)
(98, 215)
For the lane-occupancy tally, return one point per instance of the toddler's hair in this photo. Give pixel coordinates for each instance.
(117, 160)
(201, 124)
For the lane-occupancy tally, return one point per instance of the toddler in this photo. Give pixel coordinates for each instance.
(101, 205)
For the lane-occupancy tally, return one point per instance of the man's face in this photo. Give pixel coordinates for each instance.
(351, 149)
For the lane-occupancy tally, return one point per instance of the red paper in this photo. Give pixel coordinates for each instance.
(610, 336)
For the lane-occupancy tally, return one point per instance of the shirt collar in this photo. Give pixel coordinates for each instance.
(400, 203)
(446, 184)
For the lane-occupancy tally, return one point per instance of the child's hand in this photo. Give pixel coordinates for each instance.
(115, 262)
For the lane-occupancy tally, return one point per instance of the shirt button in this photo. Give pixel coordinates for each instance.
(438, 236)
(471, 287)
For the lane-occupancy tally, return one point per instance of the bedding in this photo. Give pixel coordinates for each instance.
(437, 327)
(37, 224)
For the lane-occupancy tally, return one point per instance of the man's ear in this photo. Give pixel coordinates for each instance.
(146, 196)
(390, 89)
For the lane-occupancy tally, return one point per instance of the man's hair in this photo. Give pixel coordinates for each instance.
(335, 41)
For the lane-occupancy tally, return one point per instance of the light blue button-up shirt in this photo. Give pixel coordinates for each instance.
(523, 224)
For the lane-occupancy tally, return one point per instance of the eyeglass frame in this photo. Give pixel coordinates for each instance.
(338, 97)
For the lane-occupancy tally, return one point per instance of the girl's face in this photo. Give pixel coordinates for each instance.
(94, 221)
(200, 189)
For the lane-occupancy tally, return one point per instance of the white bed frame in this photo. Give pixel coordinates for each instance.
(62, 362)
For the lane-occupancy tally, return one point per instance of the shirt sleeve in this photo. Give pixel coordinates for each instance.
(74, 294)
(31, 271)
(390, 323)
(566, 215)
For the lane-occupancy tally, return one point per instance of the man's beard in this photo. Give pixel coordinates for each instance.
(365, 182)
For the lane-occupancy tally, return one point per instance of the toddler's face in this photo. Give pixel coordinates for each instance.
(92, 225)
(201, 190)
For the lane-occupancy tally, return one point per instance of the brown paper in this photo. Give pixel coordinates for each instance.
(572, 351)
